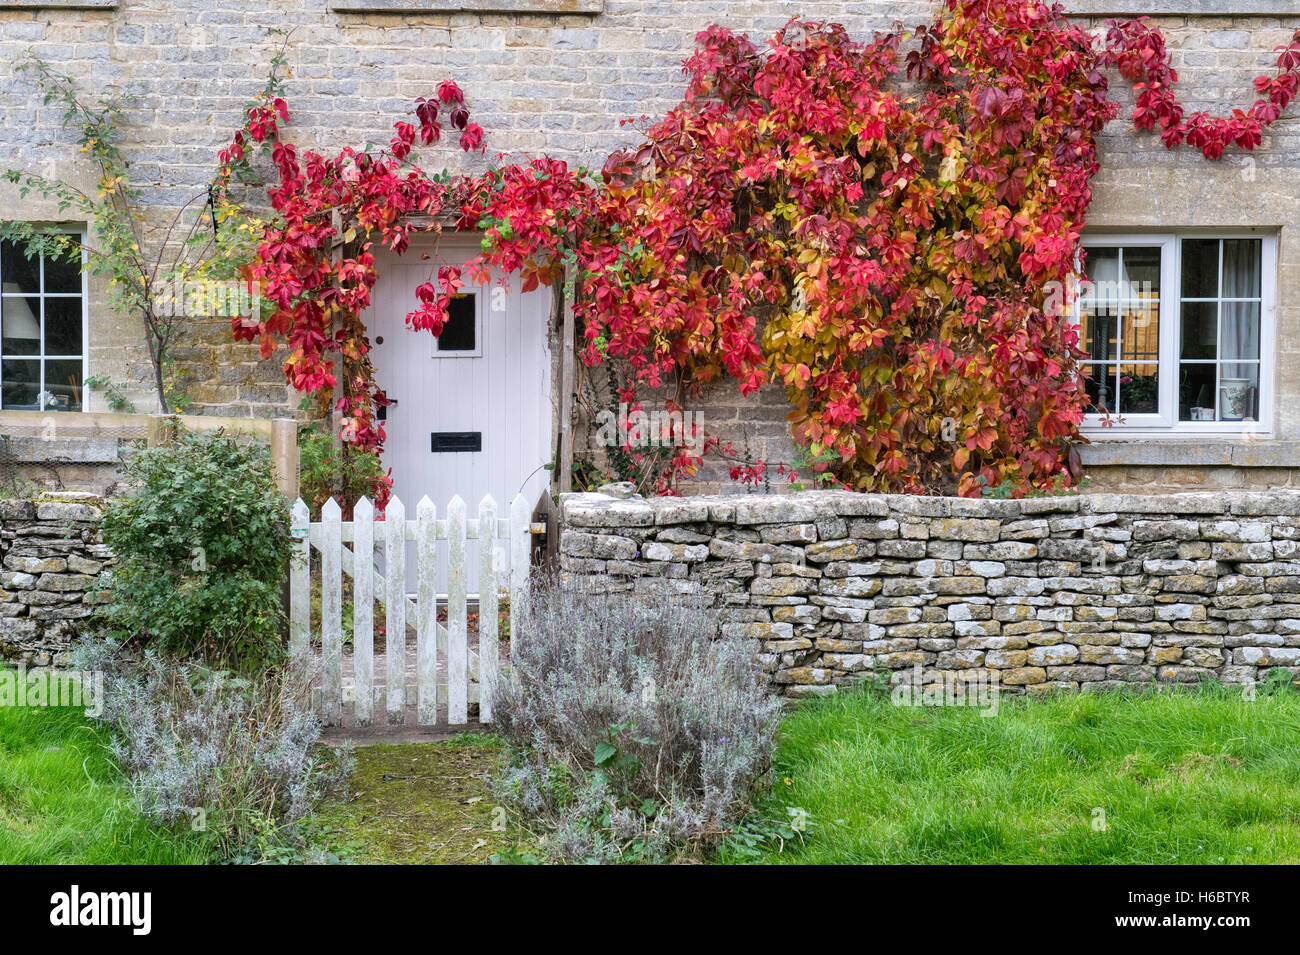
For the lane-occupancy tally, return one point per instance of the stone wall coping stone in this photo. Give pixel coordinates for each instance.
(600, 510)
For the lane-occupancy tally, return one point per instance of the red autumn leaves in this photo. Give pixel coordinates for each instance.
(802, 217)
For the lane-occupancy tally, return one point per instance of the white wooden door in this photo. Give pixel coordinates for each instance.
(497, 391)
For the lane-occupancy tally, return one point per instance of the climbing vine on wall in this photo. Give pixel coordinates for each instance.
(881, 227)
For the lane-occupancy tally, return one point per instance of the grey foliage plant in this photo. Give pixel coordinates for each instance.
(638, 735)
(232, 754)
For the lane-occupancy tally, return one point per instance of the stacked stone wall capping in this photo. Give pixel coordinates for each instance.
(53, 566)
(1086, 591)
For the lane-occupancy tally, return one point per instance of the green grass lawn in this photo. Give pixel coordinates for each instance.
(62, 800)
(1199, 777)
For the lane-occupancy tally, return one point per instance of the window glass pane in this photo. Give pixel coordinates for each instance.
(19, 273)
(1239, 392)
(1141, 279)
(1241, 268)
(62, 275)
(1200, 268)
(20, 325)
(1240, 330)
(1139, 391)
(1196, 398)
(1100, 386)
(1097, 333)
(22, 384)
(63, 385)
(63, 326)
(1200, 330)
(1102, 274)
(458, 333)
(1140, 331)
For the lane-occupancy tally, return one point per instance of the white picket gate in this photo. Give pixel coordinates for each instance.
(470, 677)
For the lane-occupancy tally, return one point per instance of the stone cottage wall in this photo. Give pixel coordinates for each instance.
(555, 77)
(52, 561)
(1078, 592)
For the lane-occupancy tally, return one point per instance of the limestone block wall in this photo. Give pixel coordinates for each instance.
(555, 77)
(1072, 592)
(53, 562)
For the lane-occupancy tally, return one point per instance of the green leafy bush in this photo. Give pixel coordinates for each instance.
(202, 548)
(328, 469)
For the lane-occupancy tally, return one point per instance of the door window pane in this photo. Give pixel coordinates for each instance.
(459, 334)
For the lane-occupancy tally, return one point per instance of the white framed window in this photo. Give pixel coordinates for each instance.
(1178, 331)
(43, 332)
(462, 335)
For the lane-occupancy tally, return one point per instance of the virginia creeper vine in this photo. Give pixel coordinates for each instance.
(875, 225)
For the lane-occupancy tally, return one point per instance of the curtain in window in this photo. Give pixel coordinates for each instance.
(1241, 279)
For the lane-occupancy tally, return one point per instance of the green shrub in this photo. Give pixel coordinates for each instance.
(327, 469)
(202, 548)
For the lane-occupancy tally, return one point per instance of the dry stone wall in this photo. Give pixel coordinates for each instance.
(53, 563)
(1071, 592)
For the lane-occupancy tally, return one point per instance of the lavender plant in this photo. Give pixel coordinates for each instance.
(637, 736)
(210, 749)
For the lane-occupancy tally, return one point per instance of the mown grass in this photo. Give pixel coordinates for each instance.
(62, 799)
(1197, 777)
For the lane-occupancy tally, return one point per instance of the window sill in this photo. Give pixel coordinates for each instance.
(1194, 452)
(468, 6)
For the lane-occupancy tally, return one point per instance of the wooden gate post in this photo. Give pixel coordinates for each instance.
(284, 455)
(162, 429)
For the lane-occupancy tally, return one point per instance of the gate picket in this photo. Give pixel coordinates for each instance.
(457, 610)
(488, 664)
(363, 610)
(331, 614)
(395, 605)
(426, 530)
(470, 677)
